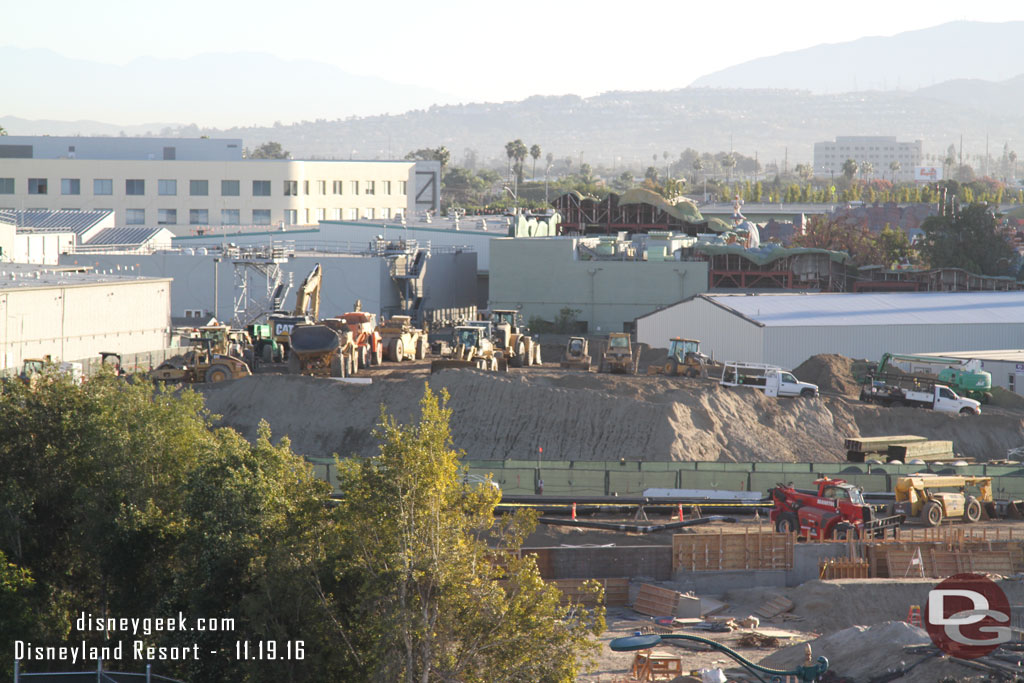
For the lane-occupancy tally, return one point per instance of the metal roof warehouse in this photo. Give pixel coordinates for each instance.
(787, 329)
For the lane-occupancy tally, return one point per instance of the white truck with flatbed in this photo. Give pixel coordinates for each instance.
(896, 389)
(771, 379)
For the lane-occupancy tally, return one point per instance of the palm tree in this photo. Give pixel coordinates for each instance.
(1012, 156)
(535, 153)
(510, 150)
(867, 169)
(728, 163)
(520, 155)
(894, 166)
(850, 169)
(698, 166)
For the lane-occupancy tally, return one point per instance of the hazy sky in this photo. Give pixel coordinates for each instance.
(477, 50)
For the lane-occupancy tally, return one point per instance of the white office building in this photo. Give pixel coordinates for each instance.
(879, 151)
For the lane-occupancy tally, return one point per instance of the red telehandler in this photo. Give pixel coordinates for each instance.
(835, 511)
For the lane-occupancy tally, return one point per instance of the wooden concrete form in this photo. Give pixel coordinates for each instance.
(616, 591)
(841, 568)
(729, 551)
(655, 601)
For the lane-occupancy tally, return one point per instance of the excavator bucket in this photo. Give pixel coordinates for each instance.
(313, 339)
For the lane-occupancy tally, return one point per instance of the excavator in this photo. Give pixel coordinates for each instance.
(966, 379)
(306, 311)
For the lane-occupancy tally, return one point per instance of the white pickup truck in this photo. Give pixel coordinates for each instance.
(910, 391)
(771, 379)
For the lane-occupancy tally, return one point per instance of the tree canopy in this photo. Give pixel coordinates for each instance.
(968, 238)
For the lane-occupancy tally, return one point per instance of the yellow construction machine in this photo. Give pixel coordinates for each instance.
(684, 358)
(514, 339)
(618, 354)
(322, 351)
(934, 498)
(471, 347)
(201, 363)
(577, 354)
(306, 311)
(402, 341)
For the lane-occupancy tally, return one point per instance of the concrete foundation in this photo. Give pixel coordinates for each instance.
(649, 561)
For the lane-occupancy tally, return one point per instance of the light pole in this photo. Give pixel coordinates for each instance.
(807, 672)
(216, 288)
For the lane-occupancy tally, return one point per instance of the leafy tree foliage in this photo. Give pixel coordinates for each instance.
(888, 248)
(269, 150)
(426, 154)
(424, 598)
(850, 168)
(966, 238)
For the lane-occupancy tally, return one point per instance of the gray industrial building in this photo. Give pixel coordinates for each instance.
(787, 329)
(609, 290)
(71, 315)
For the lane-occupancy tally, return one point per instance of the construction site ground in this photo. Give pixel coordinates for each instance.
(600, 417)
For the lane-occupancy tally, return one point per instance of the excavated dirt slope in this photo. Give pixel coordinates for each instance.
(586, 416)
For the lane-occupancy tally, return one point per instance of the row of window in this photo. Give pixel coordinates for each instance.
(259, 216)
(200, 188)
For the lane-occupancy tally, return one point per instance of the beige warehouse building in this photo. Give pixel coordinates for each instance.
(73, 315)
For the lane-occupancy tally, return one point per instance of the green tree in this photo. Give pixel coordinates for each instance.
(867, 169)
(967, 238)
(424, 600)
(2, 131)
(651, 174)
(698, 166)
(270, 150)
(535, 153)
(427, 154)
(728, 163)
(850, 168)
(894, 166)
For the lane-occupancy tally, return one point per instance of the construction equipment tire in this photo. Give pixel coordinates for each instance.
(421, 348)
(845, 532)
(972, 510)
(787, 523)
(398, 350)
(267, 353)
(294, 365)
(337, 367)
(378, 354)
(218, 373)
(671, 367)
(519, 358)
(364, 357)
(536, 355)
(931, 514)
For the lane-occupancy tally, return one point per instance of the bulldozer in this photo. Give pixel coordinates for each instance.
(200, 364)
(514, 339)
(471, 347)
(685, 359)
(920, 496)
(319, 350)
(401, 340)
(306, 311)
(577, 354)
(618, 354)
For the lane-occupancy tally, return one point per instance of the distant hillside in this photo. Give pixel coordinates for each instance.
(906, 61)
(210, 89)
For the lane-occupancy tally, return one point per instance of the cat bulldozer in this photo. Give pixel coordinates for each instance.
(618, 354)
(321, 351)
(200, 364)
(577, 354)
(471, 347)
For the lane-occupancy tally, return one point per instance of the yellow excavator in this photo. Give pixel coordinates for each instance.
(306, 311)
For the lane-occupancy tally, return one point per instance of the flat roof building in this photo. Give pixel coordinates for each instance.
(879, 151)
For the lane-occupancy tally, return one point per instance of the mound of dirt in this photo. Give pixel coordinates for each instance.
(575, 416)
(831, 372)
(1001, 398)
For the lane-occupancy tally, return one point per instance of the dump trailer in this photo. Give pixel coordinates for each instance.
(513, 338)
(320, 351)
(965, 377)
(200, 364)
(934, 498)
(618, 354)
(401, 340)
(577, 354)
(471, 347)
(835, 510)
(771, 379)
(915, 391)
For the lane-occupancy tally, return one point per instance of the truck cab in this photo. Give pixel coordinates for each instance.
(771, 379)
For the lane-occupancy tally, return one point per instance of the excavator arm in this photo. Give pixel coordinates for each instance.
(307, 298)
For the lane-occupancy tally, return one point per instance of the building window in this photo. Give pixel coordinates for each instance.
(305, 187)
(291, 188)
(306, 222)
(338, 185)
(199, 188)
(368, 214)
(6, 185)
(167, 188)
(353, 214)
(291, 217)
(135, 216)
(321, 187)
(229, 188)
(70, 186)
(170, 153)
(386, 186)
(103, 186)
(37, 185)
(337, 214)
(385, 213)
(230, 217)
(261, 216)
(135, 187)
(261, 188)
(321, 214)
(403, 187)
(354, 186)
(371, 187)
(167, 216)
(199, 216)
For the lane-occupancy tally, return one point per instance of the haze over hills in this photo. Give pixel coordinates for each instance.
(906, 61)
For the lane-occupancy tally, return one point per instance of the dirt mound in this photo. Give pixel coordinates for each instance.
(831, 372)
(1001, 398)
(574, 416)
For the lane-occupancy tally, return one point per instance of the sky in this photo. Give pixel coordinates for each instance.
(480, 51)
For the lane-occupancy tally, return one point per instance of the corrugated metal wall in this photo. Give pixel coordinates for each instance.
(723, 335)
